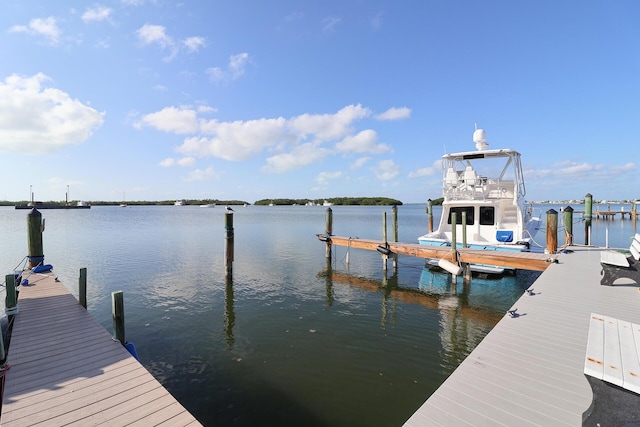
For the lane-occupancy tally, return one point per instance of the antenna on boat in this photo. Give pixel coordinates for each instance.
(480, 138)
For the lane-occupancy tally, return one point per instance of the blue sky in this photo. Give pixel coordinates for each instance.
(159, 100)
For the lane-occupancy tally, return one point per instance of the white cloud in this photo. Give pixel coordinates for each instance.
(44, 27)
(434, 169)
(624, 168)
(156, 35)
(201, 175)
(358, 163)
(184, 161)
(38, 120)
(235, 68)
(386, 170)
(97, 13)
(330, 23)
(395, 114)
(363, 142)
(193, 44)
(171, 119)
(291, 143)
(300, 156)
(323, 178)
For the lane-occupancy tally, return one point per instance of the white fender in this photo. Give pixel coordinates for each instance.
(452, 268)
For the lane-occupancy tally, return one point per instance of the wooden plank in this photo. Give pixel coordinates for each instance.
(612, 358)
(522, 260)
(629, 356)
(594, 361)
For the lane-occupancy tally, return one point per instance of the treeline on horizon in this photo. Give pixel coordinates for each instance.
(337, 201)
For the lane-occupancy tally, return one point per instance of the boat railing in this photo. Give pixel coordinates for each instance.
(465, 185)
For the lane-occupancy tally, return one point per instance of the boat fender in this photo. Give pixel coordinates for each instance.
(42, 268)
(452, 268)
(132, 349)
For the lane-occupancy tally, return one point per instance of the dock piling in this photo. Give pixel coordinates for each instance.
(552, 232)
(568, 226)
(82, 287)
(229, 238)
(385, 257)
(35, 227)
(430, 215)
(588, 207)
(394, 222)
(11, 299)
(328, 219)
(117, 312)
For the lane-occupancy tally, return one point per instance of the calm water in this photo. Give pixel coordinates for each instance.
(290, 340)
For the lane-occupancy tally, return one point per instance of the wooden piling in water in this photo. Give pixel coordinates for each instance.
(328, 220)
(552, 231)
(117, 313)
(454, 243)
(82, 287)
(11, 299)
(35, 227)
(588, 207)
(430, 215)
(394, 225)
(385, 257)
(568, 226)
(229, 238)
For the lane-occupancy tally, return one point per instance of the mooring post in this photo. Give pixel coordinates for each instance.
(464, 229)
(634, 208)
(35, 227)
(82, 287)
(588, 206)
(328, 220)
(394, 221)
(385, 257)
(552, 232)
(430, 214)
(11, 299)
(454, 244)
(568, 226)
(228, 237)
(117, 312)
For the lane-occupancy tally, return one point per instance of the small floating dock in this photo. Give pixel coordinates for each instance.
(529, 370)
(65, 369)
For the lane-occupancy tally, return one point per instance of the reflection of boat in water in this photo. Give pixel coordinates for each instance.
(487, 186)
(488, 291)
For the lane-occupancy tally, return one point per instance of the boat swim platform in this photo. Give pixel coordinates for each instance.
(523, 260)
(529, 369)
(66, 369)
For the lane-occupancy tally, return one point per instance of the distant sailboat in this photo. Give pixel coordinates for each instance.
(124, 202)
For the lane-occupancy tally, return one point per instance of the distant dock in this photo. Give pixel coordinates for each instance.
(528, 371)
(65, 369)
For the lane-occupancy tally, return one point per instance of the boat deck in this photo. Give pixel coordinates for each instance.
(66, 369)
(528, 371)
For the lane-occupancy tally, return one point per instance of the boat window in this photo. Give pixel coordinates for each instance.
(458, 211)
(487, 215)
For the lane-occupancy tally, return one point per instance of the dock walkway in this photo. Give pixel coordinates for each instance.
(66, 369)
(528, 371)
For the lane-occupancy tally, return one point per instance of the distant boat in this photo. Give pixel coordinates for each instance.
(488, 187)
(208, 205)
(124, 203)
(179, 203)
(326, 203)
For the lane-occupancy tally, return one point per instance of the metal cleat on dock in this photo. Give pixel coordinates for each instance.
(513, 313)
(530, 291)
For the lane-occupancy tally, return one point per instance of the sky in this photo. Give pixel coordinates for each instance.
(249, 100)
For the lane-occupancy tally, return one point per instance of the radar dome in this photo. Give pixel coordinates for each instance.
(480, 138)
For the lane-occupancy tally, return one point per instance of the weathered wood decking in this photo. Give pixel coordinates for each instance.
(67, 370)
(529, 369)
(523, 260)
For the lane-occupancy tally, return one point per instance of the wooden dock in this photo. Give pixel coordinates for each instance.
(66, 369)
(528, 371)
(522, 260)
